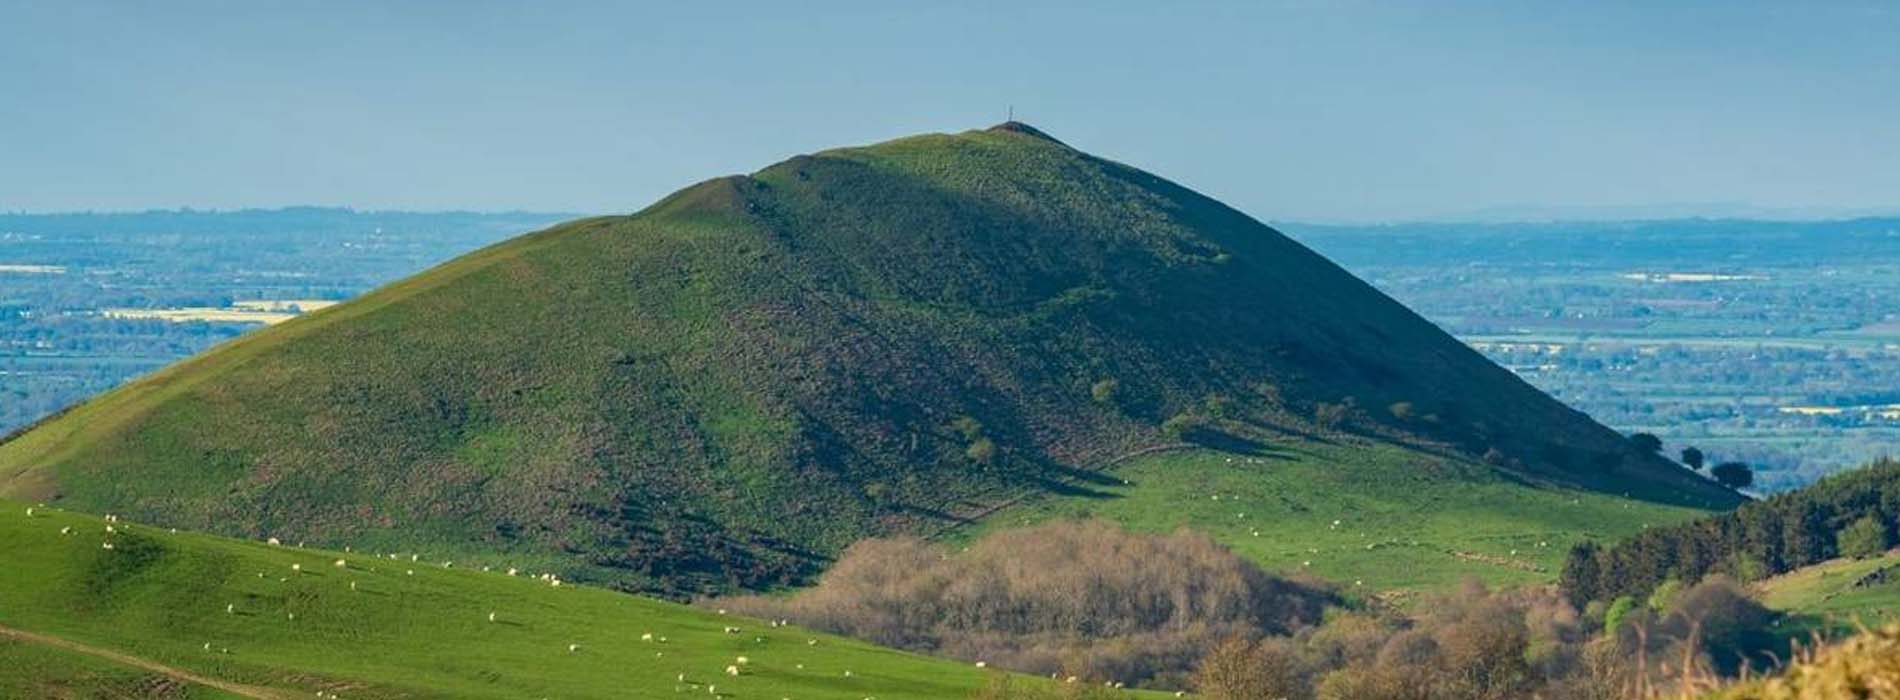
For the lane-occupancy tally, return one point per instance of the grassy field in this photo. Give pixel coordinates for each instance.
(1833, 597)
(372, 629)
(1405, 521)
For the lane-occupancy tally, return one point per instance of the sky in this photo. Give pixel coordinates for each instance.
(1286, 109)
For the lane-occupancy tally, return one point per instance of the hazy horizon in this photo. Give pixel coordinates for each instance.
(1291, 111)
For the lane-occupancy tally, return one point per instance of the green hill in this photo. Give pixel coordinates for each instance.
(135, 620)
(726, 387)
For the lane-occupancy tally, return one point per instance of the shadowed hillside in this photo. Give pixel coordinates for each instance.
(727, 387)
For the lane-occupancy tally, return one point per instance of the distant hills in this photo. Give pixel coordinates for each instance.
(723, 389)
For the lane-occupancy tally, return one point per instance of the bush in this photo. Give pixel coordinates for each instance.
(1180, 425)
(1083, 598)
(1402, 410)
(1105, 391)
(1865, 538)
(1735, 475)
(1646, 443)
(983, 451)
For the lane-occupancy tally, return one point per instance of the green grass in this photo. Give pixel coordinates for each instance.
(161, 596)
(1823, 597)
(40, 672)
(726, 388)
(1407, 521)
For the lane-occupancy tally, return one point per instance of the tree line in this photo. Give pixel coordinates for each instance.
(1851, 514)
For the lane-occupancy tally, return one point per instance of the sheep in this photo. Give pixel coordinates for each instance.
(1071, 679)
(342, 564)
(105, 545)
(742, 661)
(66, 530)
(1180, 693)
(110, 528)
(982, 664)
(409, 572)
(290, 616)
(297, 568)
(491, 617)
(29, 512)
(648, 637)
(848, 673)
(352, 585)
(274, 542)
(571, 648)
(511, 571)
(230, 608)
(811, 642)
(732, 670)
(732, 630)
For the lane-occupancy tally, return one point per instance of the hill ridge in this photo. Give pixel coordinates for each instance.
(724, 387)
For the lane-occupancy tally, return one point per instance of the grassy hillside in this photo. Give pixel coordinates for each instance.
(723, 389)
(1839, 595)
(371, 629)
(1406, 521)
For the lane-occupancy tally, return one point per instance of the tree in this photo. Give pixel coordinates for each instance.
(1693, 457)
(1735, 475)
(1648, 443)
(1866, 537)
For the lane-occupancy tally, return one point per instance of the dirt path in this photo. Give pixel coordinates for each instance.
(249, 691)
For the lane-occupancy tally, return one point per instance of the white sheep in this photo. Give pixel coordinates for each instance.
(742, 661)
(341, 564)
(230, 608)
(982, 664)
(106, 545)
(29, 512)
(648, 637)
(66, 530)
(511, 571)
(732, 670)
(274, 542)
(571, 648)
(732, 630)
(297, 568)
(848, 673)
(491, 617)
(352, 585)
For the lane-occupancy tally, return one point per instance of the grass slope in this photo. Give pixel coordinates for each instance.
(722, 389)
(1406, 521)
(1838, 596)
(161, 596)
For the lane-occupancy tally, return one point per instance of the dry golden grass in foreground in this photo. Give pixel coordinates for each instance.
(1865, 666)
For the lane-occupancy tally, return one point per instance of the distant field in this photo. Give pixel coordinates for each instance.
(264, 312)
(371, 630)
(1405, 521)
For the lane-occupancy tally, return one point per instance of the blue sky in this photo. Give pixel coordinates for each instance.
(1297, 109)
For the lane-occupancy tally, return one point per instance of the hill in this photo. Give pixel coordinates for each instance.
(726, 387)
(78, 620)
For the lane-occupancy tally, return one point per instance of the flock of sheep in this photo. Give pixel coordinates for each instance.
(737, 667)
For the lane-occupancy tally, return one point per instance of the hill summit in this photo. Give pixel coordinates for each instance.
(730, 385)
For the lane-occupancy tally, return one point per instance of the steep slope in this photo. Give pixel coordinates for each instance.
(723, 388)
(79, 620)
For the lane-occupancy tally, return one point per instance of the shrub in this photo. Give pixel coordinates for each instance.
(1618, 610)
(1082, 598)
(1180, 425)
(1646, 443)
(1864, 538)
(1735, 475)
(982, 451)
(1402, 410)
(1105, 391)
(1693, 457)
